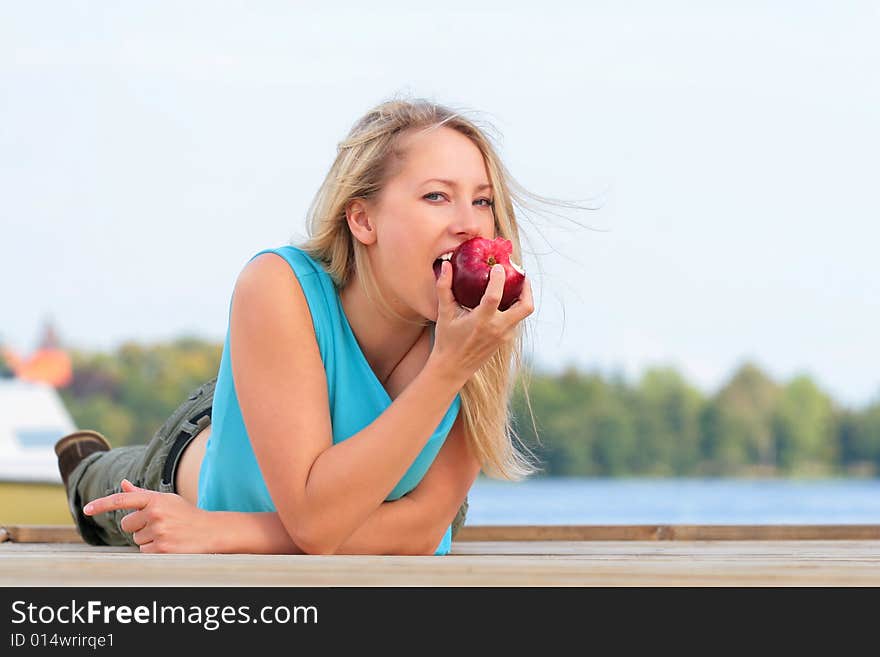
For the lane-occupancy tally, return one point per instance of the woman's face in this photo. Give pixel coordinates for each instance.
(417, 218)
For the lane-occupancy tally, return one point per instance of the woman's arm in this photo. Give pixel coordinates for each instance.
(167, 523)
(394, 528)
(413, 524)
(441, 492)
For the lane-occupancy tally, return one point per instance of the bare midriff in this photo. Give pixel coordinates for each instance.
(186, 478)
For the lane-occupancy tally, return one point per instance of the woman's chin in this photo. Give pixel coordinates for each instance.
(431, 309)
(429, 317)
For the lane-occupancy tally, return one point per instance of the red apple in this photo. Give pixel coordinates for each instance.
(471, 264)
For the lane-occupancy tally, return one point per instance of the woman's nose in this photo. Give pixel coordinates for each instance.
(473, 221)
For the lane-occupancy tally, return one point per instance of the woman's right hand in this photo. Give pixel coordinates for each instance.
(465, 339)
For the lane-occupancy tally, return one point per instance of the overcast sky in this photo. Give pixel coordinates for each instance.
(149, 149)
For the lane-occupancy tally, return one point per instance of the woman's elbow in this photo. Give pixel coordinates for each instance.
(317, 549)
(315, 543)
(309, 536)
(429, 548)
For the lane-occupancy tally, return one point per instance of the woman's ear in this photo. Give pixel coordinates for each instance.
(359, 222)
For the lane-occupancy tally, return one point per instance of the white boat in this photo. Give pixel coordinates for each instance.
(32, 418)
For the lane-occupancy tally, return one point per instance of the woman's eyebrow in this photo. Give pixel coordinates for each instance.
(452, 183)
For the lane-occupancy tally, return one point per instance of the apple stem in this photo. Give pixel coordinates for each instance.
(492, 261)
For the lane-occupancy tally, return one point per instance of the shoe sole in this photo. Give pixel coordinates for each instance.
(84, 435)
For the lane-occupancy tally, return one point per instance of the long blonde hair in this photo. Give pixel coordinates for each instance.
(364, 161)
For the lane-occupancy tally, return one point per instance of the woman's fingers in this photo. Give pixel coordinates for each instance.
(134, 521)
(444, 289)
(128, 487)
(523, 306)
(133, 500)
(143, 537)
(131, 497)
(517, 311)
(494, 291)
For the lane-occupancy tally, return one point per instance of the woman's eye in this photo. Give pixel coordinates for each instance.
(488, 202)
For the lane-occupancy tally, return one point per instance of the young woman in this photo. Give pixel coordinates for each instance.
(356, 401)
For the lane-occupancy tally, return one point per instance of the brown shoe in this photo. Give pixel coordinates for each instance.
(74, 447)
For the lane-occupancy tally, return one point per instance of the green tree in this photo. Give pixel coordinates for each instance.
(105, 416)
(860, 439)
(128, 394)
(614, 441)
(667, 415)
(737, 424)
(804, 428)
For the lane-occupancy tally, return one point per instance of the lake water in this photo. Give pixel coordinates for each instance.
(581, 501)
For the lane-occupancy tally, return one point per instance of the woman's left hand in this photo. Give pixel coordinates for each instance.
(161, 522)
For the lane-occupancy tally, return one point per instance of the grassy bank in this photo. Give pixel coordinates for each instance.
(33, 504)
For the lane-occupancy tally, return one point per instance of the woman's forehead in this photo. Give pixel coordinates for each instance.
(442, 157)
(442, 142)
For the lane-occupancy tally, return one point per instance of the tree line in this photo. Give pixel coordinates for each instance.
(588, 424)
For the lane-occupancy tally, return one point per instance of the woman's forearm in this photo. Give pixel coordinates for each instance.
(351, 479)
(397, 527)
(239, 532)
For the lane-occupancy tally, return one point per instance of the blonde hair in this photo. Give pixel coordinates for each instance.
(367, 158)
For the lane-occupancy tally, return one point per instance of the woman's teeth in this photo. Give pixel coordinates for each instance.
(438, 263)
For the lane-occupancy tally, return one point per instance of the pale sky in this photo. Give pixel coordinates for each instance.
(149, 149)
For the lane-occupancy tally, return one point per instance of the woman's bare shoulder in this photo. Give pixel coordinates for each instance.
(267, 268)
(269, 307)
(271, 284)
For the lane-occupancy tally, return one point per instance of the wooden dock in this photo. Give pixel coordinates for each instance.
(612, 555)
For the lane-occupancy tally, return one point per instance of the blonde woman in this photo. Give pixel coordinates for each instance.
(356, 401)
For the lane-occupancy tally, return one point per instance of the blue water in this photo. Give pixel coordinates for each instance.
(581, 501)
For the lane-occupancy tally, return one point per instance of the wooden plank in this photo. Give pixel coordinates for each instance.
(602, 550)
(623, 550)
(600, 563)
(773, 532)
(666, 532)
(68, 533)
(43, 534)
(561, 533)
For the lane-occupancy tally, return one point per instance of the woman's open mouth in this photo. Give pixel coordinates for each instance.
(438, 263)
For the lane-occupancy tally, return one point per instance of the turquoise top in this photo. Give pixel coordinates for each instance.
(230, 477)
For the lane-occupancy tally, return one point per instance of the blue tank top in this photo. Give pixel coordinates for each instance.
(230, 477)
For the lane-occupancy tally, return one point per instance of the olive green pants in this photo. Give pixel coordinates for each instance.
(151, 466)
